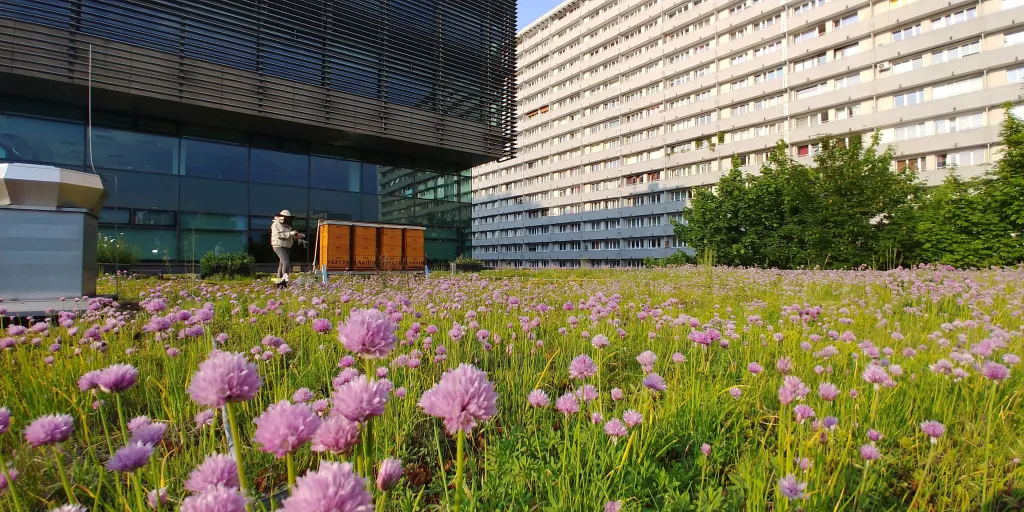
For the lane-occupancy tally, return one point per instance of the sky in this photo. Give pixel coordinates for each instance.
(530, 10)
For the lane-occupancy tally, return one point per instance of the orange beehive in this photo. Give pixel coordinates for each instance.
(413, 239)
(335, 241)
(390, 247)
(364, 247)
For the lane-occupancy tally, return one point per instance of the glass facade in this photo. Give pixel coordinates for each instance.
(179, 191)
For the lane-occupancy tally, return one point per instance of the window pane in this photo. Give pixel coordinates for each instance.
(154, 218)
(42, 141)
(213, 221)
(279, 168)
(193, 245)
(213, 160)
(334, 174)
(115, 216)
(152, 244)
(130, 151)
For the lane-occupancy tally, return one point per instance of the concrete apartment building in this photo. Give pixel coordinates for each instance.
(626, 106)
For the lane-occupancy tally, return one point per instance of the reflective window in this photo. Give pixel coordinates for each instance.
(132, 22)
(116, 216)
(150, 244)
(213, 160)
(154, 218)
(55, 13)
(279, 168)
(213, 196)
(368, 183)
(39, 140)
(193, 245)
(337, 205)
(334, 174)
(223, 37)
(131, 151)
(214, 221)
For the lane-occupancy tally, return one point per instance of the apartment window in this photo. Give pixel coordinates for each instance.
(765, 50)
(906, 32)
(910, 164)
(769, 102)
(804, 150)
(847, 81)
(847, 112)
(908, 65)
(908, 98)
(1010, 4)
(912, 131)
(1012, 38)
(807, 92)
(960, 158)
(954, 17)
(844, 21)
(958, 87)
(1015, 75)
(846, 51)
(956, 52)
(960, 123)
(807, 6)
(810, 34)
(801, 65)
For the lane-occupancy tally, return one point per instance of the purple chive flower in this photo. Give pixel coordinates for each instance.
(792, 389)
(828, 391)
(995, 371)
(784, 365)
(361, 399)
(221, 338)
(344, 377)
(5, 420)
(388, 474)
(347, 362)
(336, 435)
(215, 499)
(869, 452)
(462, 397)
(284, 427)
(616, 394)
(130, 458)
(632, 418)
(647, 358)
(369, 333)
(69, 508)
(204, 418)
(705, 449)
(587, 392)
(596, 418)
(754, 368)
(156, 498)
(138, 421)
(400, 393)
(117, 378)
(678, 358)
(830, 422)
(321, 325)
(735, 392)
(303, 395)
(599, 341)
(654, 382)
(4, 483)
(875, 374)
(217, 470)
(581, 367)
(615, 428)
(334, 487)
(88, 381)
(50, 429)
(791, 488)
(612, 506)
(874, 435)
(538, 398)
(567, 404)
(224, 377)
(934, 430)
(150, 433)
(803, 412)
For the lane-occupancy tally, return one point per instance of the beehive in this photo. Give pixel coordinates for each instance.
(364, 248)
(390, 247)
(335, 247)
(413, 243)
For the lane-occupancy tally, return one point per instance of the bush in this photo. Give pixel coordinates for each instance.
(110, 250)
(228, 265)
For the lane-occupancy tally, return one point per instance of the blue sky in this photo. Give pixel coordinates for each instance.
(530, 10)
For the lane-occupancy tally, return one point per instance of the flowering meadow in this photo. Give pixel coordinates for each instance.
(691, 388)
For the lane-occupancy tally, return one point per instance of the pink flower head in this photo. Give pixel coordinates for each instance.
(632, 418)
(655, 382)
(224, 377)
(538, 398)
(581, 367)
(874, 435)
(599, 341)
(934, 429)
(88, 381)
(828, 391)
(995, 371)
(138, 421)
(5, 420)
(613, 506)
(368, 332)
(284, 427)
(50, 429)
(336, 435)
(615, 428)
(869, 452)
(215, 499)
(321, 325)
(156, 498)
(791, 488)
(754, 368)
(204, 418)
(646, 358)
(361, 398)
(388, 474)
(803, 412)
(462, 397)
(117, 378)
(792, 388)
(875, 374)
(567, 404)
(131, 458)
(616, 394)
(705, 449)
(216, 470)
(334, 487)
(303, 395)
(150, 433)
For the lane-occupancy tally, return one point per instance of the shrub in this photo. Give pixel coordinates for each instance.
(232, 264)
(111, 250)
